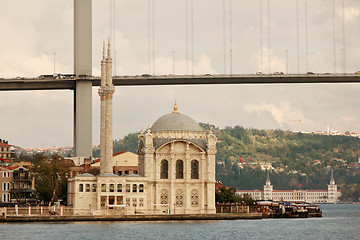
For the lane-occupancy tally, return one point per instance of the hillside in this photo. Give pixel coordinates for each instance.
(299, 160)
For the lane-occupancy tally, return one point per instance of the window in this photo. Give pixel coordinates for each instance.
(103, 187)
(120, 173)
(81, 187)
(87, 188)
(164, 169)
(179, 169)
(103, 201)
(194, 198)
(134, 188)
(141, 202)
(119, 200)
(141, 188)
(112, 188)
(127, 187)
(194, 169)
(164, 196)
(135, 172)
(94, 187)
(128, 202)
(134, 202)
(119, 187)
(126, 172)
(179, 198)
(111, 200)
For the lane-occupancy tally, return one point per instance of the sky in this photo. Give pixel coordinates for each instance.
(327, 41)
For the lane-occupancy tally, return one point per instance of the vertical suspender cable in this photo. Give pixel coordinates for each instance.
(230, 16)
(306, 37)
(334, 36)
(187, 36)
(297, 36)
(192, 37)
(269, 43)
(149, 36)
(114, 35)
(344, 40)
(224, 37)
(153, 35)
(261, 38)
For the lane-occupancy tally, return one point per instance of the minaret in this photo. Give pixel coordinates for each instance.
(106, 92)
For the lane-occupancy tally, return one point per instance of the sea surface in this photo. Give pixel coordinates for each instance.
(338, 222)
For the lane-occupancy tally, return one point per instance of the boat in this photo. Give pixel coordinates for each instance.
(273, 209)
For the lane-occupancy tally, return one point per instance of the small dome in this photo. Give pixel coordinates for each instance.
(176, 122)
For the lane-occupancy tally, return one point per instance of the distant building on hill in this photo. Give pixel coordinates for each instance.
(331, 195)
(6, 153)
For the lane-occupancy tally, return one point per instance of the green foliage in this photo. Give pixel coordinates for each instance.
(128, 143)
(350, 193)
(288, 152)
(51, 177)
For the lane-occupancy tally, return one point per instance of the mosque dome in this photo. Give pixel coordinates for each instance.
(176, 121)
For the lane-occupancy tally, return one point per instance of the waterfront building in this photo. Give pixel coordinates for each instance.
(330, 195)
(176, 167)
(17, 185)
(123, 163)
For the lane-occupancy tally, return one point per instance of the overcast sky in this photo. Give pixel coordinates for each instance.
(31, 31)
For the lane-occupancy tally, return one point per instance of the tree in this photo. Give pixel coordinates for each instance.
(226, 195)
(51, 176)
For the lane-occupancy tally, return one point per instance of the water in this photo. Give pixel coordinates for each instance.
(338, 222)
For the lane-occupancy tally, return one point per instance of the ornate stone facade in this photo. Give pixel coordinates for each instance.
(176, 167)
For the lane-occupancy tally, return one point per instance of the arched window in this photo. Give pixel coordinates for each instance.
(164, 196)
(119, 188)
(87, 188)
(179, 198)
(127, 187)
(94, 187)
(194, 198)
(179, 169)
(194, 169)
(81, 187)
(134, 188)
(141, 188)
(103, 187)
(112, 187)
(164, 171)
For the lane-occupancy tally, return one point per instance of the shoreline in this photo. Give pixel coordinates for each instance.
(121, 218)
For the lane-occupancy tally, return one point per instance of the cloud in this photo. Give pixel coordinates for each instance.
(282, 113)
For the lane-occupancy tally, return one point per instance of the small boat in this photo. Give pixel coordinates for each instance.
(272, 209)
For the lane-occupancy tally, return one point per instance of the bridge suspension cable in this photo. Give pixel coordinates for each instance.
(261, 37)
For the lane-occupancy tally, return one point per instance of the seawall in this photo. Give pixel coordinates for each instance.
(176, 217)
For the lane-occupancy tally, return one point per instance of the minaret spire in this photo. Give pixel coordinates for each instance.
(108, 50)
(103, 52)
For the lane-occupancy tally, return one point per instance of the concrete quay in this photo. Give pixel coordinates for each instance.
(176, 217)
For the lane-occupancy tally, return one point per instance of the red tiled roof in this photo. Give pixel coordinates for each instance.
(4, 144)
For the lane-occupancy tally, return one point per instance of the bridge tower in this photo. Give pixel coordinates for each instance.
(83, 87)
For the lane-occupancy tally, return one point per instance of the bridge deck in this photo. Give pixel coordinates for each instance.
(69, 83)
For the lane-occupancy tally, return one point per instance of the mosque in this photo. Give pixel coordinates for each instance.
(176, 160)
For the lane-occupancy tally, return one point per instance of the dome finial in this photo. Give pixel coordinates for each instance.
(175, 108)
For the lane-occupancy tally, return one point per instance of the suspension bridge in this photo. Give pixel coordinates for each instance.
(83, 80)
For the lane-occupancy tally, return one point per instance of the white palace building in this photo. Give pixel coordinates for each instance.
(331, 195)
(176, 167)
